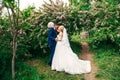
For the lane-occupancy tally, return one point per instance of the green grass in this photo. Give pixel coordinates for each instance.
(108, 61)
(26, 72)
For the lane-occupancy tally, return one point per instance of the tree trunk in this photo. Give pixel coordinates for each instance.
(14, 56)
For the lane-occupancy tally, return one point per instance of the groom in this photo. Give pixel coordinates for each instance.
(52, 39)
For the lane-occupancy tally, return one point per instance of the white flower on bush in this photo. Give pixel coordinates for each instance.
(112, 38)
(117, 14)
(21, 32)
(118, 5)
(96, 21)
(102, 23)
(98, 30)
(118, 35)
(116, 21)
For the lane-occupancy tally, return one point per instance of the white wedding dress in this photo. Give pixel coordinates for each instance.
(66, 60)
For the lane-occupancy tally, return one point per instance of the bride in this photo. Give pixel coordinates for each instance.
(65, 59)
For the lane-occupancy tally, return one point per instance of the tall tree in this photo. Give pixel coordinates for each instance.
(13, 13)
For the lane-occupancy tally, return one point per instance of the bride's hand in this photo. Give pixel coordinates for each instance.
(56, 39)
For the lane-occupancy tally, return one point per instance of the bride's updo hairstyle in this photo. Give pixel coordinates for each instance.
(62, 28)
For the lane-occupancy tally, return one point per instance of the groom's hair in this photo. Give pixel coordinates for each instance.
(50, 25)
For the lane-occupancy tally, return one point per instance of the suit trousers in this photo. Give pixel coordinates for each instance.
(52, 50)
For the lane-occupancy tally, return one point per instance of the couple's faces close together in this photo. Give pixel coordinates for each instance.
(59, 28)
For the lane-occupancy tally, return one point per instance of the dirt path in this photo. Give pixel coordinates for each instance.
(87, 55)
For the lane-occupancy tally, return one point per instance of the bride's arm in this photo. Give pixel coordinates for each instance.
(60, 35)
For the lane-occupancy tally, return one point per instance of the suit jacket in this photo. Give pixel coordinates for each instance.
(51, 37)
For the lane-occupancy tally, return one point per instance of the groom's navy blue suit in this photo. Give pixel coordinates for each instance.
(51, 43)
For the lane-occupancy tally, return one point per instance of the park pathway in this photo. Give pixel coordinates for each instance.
(87, 55)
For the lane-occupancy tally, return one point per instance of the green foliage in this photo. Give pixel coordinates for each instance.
(5, 50)
(9, 3)
(113, 2)
(27, 13)
(106, 24)
(76, 47)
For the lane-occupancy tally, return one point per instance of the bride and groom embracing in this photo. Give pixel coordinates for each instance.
(62, 58)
